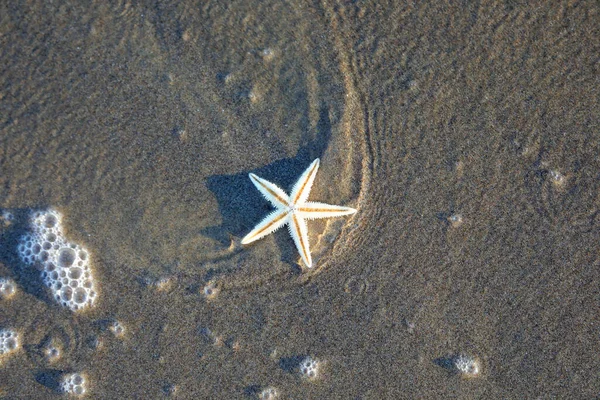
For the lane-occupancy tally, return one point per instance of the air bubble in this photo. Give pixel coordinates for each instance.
(80, 296)
(11, 344)
(66, 293)
(66, 257)
(75, 273)
(51, 221)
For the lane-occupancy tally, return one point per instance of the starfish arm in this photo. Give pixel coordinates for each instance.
(299, 233)
(314, 210)
(302, 187)
(270, 191)
(270, 224)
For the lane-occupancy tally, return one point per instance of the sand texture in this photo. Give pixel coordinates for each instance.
(466, 134)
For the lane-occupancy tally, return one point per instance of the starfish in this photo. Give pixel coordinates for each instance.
(293, 210)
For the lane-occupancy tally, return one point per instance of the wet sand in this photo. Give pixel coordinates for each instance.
(466, 136)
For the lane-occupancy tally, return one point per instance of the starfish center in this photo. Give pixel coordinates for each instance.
(293, 210)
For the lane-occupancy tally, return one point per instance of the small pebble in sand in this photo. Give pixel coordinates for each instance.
(6, 218)
(186, 35)
(254, 95)
(180, 134)
(269, 393)
(164, 284)
(117, 329)
(268, 54)
(455, 220)
(7, 288)
(557, 178)
(467, 366)
(210, 291)
(169, 389)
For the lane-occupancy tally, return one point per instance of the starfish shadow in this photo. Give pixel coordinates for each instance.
(242, 206)
(49, 378)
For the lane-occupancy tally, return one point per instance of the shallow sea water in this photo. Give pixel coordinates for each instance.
(466, 136)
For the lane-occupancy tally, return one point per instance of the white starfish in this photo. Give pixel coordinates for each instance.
(293, 210)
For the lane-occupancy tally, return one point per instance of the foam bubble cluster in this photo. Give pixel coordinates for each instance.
(9, 342)
(309, 368)
(64, 265)
(73, 384)
(52, 353)
(7, 288)
(466, 365)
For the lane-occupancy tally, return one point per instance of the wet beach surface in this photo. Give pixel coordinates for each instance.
(466, 136)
